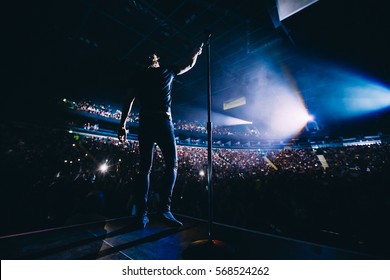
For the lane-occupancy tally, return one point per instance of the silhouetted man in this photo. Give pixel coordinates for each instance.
(152, 89)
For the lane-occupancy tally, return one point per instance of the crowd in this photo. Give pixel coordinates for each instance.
(194, 128)
(105, 111)
(52, 178)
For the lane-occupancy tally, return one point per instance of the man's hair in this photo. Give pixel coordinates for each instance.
(153, 57)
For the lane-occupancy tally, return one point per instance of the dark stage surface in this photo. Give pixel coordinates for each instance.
(119, 239)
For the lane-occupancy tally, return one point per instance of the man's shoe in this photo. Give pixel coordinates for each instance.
(170, 220)
(142, 221)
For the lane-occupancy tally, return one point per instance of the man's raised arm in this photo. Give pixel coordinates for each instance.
(187, 66)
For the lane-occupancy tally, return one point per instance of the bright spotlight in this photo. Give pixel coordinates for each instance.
(361, 99)
(201, 173)
(310, 118)
(346, 94)
(103, 168)
(225, 120)
(287, 114)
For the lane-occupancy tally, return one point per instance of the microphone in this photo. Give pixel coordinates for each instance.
(207, 35)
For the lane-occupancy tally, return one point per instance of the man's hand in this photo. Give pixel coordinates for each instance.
(122, 134)
(198, 51)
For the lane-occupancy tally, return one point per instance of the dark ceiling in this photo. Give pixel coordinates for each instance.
(90, 48)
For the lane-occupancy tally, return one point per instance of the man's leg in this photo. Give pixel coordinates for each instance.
(167, 144)
(146, 146)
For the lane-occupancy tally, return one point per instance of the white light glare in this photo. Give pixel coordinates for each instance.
(103, 168)
(310, 118)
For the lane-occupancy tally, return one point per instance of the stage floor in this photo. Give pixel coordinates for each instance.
(121, 239)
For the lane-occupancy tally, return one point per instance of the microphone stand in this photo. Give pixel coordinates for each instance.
(209, 144)
(208, 248)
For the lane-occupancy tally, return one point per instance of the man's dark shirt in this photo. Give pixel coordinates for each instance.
(154, 87)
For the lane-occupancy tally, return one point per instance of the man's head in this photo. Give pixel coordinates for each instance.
(153, 61)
